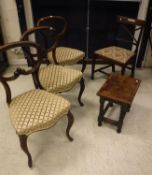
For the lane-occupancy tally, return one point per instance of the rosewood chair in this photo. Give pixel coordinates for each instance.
(60, 54)
(36, 109)
(122, 54)
(53, 78)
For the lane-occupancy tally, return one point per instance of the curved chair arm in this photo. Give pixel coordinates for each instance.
(19, 71)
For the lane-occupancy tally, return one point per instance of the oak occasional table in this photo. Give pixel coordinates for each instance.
(120, 90)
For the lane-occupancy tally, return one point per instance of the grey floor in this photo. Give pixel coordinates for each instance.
(95, 150)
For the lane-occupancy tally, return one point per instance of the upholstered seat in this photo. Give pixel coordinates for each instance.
(36, 110)
(124, 49)
(55, 78)
(118, 54)
(66, 55)
(62, 55)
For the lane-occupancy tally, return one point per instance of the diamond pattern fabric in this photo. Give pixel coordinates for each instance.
(36, 110)
(118, 54)
(55, 78)
(65, 55)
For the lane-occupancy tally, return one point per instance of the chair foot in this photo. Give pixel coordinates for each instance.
(70, 123)
(118, 131)
(82, 87)
(99, 123)
(23, 144)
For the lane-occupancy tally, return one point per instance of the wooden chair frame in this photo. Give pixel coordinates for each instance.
(34, 71)
(124, 23)
(59, 37)
(42, 29)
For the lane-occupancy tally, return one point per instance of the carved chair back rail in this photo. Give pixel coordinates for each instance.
(35, 109)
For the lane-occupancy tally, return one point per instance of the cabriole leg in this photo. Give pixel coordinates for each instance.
(70, 123)
(23, 144)
(82, 87)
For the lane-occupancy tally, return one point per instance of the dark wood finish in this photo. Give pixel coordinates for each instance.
(45, 32)
(26, 45)
(101, 112)
(124, 108)
(52, 21)
(56, 22)
(120, 90)
(126, 25)
(36, 60)
(23, 144)
(70, 123)
(82, 87)
(130, 21)
(84, 64)
(108, 120)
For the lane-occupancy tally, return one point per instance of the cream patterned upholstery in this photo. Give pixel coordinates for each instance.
(55, 78)
(36, 110)
(65, 55)
(118, 54)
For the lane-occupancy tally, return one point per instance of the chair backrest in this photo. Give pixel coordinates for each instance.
(42, 35)
(14, 46)
(58, 23)
(130, 26)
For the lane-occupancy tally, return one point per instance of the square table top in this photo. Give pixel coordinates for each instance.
(119, 88)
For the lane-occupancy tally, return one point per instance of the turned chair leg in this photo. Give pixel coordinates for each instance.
(70, 123)
(82, 87)
(23, 144)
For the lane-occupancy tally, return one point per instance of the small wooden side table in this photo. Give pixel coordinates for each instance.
(117, 89)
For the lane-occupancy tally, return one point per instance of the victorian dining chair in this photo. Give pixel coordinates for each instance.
(35, 109)
(54, 78)
(61, 55)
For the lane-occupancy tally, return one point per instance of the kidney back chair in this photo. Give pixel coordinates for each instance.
(53, 78)
(120, 55)
(36, 109)
(60, 54)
